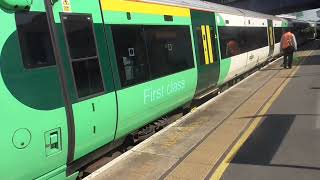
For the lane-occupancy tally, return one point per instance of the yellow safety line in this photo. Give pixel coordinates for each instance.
(226, 162)
(205, 44)
(209, 44)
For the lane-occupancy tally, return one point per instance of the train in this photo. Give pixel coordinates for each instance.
(303, 30)
(317, 27)
(79, 77)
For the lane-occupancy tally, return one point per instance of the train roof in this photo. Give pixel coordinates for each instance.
(213, 7)
(260, 15)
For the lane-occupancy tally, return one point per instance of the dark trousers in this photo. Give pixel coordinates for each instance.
(288, 57)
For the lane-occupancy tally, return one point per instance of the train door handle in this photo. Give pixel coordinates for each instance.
(53, 141)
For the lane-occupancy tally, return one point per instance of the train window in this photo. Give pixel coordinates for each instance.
(277, 34)
(131, 54)
(35, 40)
(83, 53)
(80, 36)
(87, 76)
(256, 37)
(169, 49)
(231, 41)
(200, 45)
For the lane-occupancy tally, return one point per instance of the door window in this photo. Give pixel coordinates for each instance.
(206, 41)
(83, 54)
(200, 45)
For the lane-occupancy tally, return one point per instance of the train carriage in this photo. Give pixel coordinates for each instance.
(77, 77)
(303, 30)
(317, 27)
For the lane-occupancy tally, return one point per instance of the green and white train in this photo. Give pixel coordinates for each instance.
(79, 76)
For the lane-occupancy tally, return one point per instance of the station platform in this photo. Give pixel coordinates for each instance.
(265, 127)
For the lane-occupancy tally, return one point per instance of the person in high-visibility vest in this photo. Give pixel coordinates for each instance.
(288, 45)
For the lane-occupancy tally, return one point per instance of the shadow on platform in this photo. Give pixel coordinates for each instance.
(309, 45)
(310, 60)
(264, 142)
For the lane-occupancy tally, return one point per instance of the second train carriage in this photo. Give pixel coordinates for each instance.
(78, 76)
(317, 24)
(303, 30)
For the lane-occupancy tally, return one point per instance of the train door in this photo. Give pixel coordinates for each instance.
(271, 38)
(204, 32)
(85, 60)
(277, 30)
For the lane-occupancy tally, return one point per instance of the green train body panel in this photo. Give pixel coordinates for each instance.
(58, 174)
(35, 106)
(144, 103)
(284, 23)
(94, 128)
(219, 20)
(32, 107)
(35, 98)
(225, 64)
(224, 70)
(141, 104)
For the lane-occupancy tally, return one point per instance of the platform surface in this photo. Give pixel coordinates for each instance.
(286, 144)
(265, 127)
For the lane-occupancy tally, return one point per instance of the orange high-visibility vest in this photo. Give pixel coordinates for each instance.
(287, 40)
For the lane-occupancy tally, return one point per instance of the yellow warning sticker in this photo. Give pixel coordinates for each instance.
(66, 5)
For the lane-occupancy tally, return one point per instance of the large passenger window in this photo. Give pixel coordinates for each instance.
(130, 48)
(237, 40)
(169, 49)
(149, 52)
(83, 53)
(231, 41)
(256, 37)
(35, 40)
